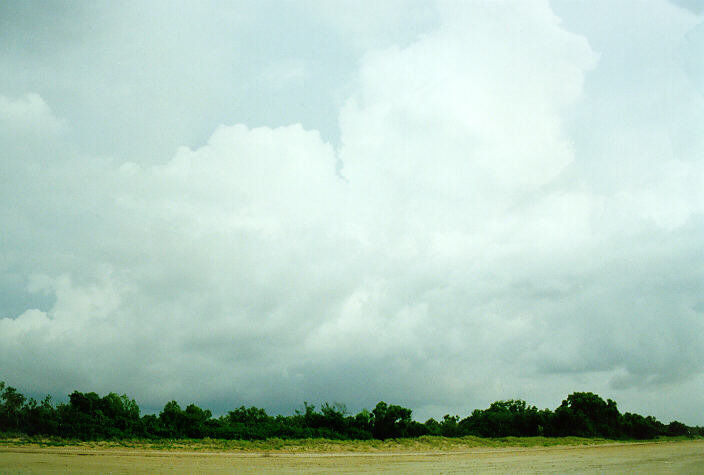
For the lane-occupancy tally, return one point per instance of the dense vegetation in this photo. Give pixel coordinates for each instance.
(88, 416)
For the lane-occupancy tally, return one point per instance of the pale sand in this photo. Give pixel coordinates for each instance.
(662, 457)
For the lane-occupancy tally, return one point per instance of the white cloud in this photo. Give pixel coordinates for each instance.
(285, 73)
(482, 97)
(481, 246)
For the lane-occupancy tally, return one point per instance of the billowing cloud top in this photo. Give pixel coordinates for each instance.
(491, 200)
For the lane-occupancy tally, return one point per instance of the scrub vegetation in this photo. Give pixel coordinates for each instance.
(90, 417)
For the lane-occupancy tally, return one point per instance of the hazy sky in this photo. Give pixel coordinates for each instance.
(438, 205)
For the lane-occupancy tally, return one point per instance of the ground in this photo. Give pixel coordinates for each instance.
(648, 457)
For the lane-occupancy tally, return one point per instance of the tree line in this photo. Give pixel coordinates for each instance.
(88, 416)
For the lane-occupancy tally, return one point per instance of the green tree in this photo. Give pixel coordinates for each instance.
(676, 428)
(11, 403)
(449, 426)
(390, 421)
(172, 420)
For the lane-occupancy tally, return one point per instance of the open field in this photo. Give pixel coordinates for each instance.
(686, 456)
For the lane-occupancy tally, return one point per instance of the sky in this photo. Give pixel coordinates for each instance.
(435, 204)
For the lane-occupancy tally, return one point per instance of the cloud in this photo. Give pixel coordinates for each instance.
(378, 25)
(506, 226)
(285, 73)
(25, 121)
(695, 7)
(192, 257)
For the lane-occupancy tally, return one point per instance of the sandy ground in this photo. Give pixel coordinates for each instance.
(664, 457)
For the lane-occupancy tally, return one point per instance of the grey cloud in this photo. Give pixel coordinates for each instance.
(692, 5)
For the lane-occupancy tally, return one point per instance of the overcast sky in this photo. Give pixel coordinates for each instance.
(438, 205)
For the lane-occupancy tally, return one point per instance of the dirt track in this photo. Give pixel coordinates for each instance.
(667, 457)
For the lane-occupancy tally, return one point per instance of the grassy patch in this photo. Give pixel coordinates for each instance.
(419, 444)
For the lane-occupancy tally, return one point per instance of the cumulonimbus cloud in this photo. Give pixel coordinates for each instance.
(465, 245)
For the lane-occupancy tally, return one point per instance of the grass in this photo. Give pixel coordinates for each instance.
(420, 444)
